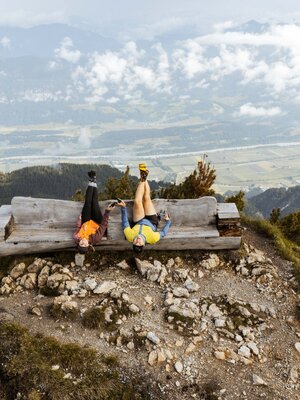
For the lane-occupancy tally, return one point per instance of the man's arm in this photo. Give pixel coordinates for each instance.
(165, 229)
(96, 238)
(125, 222)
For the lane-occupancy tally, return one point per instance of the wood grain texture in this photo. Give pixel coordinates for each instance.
(165, 245)
(45, 225)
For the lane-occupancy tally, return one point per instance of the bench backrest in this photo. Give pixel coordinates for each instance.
(60, 213)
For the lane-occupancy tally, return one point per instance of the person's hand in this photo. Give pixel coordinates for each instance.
(167, 216)
(121, 203)
(110, 207)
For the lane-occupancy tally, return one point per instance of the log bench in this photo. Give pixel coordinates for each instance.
(34, 225)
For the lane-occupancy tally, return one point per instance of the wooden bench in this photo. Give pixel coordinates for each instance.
(32, 225)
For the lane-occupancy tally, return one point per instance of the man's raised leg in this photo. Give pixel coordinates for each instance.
(138, 208)
(148, 205)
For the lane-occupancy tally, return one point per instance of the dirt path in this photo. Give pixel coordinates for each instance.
(203, 374)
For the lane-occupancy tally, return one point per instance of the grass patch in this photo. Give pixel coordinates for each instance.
(26, 367)
(287, 249)
(93, 318)
(55, 311)
(26, 370)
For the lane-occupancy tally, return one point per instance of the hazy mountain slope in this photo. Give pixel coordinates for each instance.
(288, 200)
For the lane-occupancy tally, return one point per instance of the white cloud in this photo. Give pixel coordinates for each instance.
(113, 100)
(26, 19)
(84, 139)
(66, 52)
(54, 66)
(271, 58)
(251, 110)
(217, 109)
(41, 96)
(222, 26)
(5, 42)
(124, 72)
(153, 30)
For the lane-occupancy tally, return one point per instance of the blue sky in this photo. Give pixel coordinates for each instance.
(142, 13)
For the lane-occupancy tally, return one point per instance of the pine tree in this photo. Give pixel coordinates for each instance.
(198, 184)
(274, 216)
(238, 199)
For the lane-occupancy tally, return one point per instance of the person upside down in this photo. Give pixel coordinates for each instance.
(91, 225)
(145, 217)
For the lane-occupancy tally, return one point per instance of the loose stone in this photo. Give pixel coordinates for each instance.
(153, 338)
(178, 367)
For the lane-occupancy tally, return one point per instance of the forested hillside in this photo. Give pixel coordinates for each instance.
(59, 182)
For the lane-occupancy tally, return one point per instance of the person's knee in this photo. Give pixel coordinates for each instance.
(138, 202)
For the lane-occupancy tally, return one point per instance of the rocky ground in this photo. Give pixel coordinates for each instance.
(202, 325)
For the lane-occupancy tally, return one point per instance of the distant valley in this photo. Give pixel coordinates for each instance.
(71, 95)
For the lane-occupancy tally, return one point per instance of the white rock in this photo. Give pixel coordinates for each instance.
(257, 380)
(244, 311)
(244, 271)
(212, 262)
(162, 276)
(181, 273)
(79, 259)
(238, 338)
(154, 272)
(191, 286)
(130, 345)
(125, 297)
(272, 312)
(134, 308)
(43, 276)
(55, 367)
(190, 349)
(107, 314)
(29, 281)
(72, 285)
(143, 266)
(36, 311)
(297, 346)
(152, 358)
(90, 284)
(220, 355)
(153, 338)
(148, 299)
(178, 367)
(253, 347)
(214, 311)
(123, 265)
(181, 292)
(18, 270)
(220, 323)
(257, 271)
(200, 274)
(244, 351)
(170, 263)
(169, 300)
(294, 374)
(105, 287)
(246, 331)
(161, 356)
